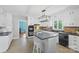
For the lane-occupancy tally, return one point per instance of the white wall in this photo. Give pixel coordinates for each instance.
(15, 27)
(6, 20)
(32, 21)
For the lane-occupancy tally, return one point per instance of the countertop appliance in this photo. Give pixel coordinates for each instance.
(63, 39)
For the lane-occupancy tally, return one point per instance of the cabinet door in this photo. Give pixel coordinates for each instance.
(4, 43)
(2, 20)
(52, 44)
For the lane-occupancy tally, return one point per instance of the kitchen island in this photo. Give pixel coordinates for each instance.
(48, 41)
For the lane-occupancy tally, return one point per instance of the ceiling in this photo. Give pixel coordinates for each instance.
(32, 10)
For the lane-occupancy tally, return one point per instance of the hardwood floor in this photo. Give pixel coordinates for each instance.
(62, 49)
(24, 45)
(21, 46)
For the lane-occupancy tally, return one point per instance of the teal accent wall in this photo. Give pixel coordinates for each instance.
(23, 25)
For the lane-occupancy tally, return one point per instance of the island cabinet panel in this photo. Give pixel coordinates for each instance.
(74, 42)
(52, 44)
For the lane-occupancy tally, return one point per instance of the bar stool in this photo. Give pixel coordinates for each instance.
(37, 47)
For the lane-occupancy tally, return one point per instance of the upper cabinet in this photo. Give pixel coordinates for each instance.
(72, 19)
(2, 23)
(6, 20)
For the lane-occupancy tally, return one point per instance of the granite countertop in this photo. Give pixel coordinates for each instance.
(74, 34)
(4, 33)
(44, 35)
(66, 32)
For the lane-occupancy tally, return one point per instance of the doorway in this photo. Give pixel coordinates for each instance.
(23, 27)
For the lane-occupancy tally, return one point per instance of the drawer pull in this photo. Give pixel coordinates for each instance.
(74, 40)
(75, 37)
(75, 44)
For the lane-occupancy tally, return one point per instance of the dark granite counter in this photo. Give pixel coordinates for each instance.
(64, 32)
(44, 35)
(74, 34)
(4, 33)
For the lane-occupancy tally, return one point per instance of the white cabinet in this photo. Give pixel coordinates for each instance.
(73, 17)
(2, 22)
(5, 42)
(6, 21)
(74, 42)
(52, 44)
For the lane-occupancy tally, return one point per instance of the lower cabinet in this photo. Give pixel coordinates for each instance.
(74, 42)
(5, 42)
(52, 44)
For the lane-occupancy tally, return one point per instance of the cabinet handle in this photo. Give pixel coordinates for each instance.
(75, 44)
(75, 37)
(74, 40)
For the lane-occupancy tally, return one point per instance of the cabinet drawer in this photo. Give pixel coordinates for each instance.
(74, 40)
(74, 47)
(74, 44)
(71, 46)
(73, 37)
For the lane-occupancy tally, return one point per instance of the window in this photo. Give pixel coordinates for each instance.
(55, 24)
(58, 24)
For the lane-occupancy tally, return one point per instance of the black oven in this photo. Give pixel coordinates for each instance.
(30, 30)
(63, 39)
